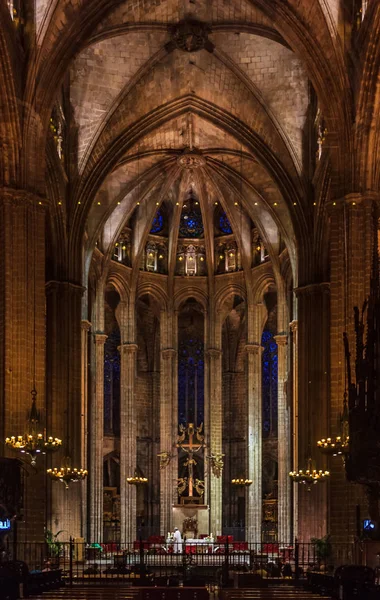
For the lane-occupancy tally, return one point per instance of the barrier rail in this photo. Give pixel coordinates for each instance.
(146, 561)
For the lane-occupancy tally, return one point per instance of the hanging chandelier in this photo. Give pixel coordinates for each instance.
(66, 474)
(242, 482)
(137, 479)
(33, 443)
(339, 445)
(309, 476)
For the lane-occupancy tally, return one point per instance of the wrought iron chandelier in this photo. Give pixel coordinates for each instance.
(309, 476)
(242, 482)
(32, 443)
(339, 445)
(66, 474)
(137, 479)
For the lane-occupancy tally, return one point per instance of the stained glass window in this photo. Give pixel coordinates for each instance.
(269, 383)
(158, 223)
(224, 224)
(191, 381)
(112, 384)
(191, 224)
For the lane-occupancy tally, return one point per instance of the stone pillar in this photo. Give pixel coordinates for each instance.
(352, 237)
(86, 326)
(168, 475)
(96, 445)
(294, 464)
(284, 504)
(64, 398)
(254, 500)
(313, 388)
(22, 333)
(128, 442)
(215, 437)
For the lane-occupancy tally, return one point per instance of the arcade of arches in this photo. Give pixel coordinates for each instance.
(187, 192)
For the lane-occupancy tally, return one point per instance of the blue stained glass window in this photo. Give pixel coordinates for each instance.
(224, 224)
(158, 223)
(112, 384)
(191, 224)
(191, 381)
(269, 383)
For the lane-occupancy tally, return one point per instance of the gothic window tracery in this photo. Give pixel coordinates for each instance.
(269, 383)
(191, 223)
(191, 380)
(224, 224)
(112, 384)
(158, 223)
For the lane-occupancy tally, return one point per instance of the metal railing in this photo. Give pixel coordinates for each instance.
(198, 562)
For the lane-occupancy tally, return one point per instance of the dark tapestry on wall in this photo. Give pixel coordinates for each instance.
(269, 383)
(112, 384)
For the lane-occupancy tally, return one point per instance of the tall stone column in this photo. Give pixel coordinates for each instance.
(215, 437)
(22, 332)
(313, 388)
(167, 473)
(294, 464)
(96, 446)
(64, 398)
(351, 254)
(254, 500)
(128, 442)
(284, 503)
(86, 327)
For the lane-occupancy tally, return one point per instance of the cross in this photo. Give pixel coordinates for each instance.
(190, 448)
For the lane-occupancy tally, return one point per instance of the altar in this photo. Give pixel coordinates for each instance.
(194, 546)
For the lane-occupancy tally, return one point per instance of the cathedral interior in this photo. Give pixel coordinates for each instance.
(188, 219)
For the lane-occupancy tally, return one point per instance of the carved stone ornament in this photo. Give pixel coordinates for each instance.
(216, 461)
(165, 458)
(191, 159)
(191, 36)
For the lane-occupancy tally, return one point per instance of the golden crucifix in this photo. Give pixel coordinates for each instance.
(191, 447)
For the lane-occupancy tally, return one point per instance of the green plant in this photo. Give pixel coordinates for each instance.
(54, 545)
(322, 547)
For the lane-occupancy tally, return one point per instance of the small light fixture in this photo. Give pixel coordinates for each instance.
(180, 258)
(241, 482)
(221, 256)
(201, 258)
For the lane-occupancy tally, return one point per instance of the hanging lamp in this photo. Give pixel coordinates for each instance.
(32, 443)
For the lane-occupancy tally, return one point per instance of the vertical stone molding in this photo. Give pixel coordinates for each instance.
(64, 396)
(284, 503)
(128, 442)
(168, 474)
(313, 388)
(215, 436)
(86, 327)
(97, 432)
(254, 493)
(294, 443)
(22, 330)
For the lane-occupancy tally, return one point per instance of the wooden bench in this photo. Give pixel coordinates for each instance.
(174, 593)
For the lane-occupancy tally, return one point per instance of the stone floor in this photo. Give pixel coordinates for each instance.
(119, 593)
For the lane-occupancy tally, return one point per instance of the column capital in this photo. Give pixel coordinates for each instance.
(21, 198)
(167, 353)
(100, 338)
(53, 287)
(128, 348)
(352, 200)
(313, 288)
(213, 352)
(85, 325)
(281, 339)
(254, 348)
(293, 326)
